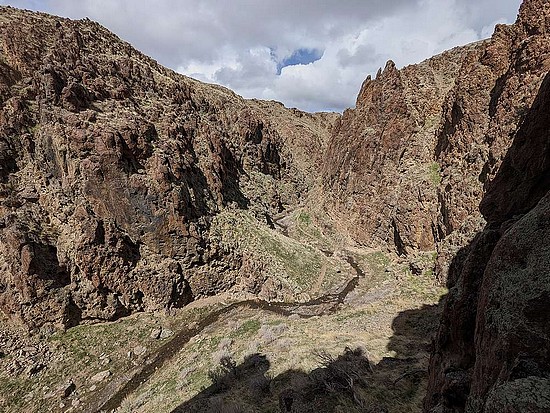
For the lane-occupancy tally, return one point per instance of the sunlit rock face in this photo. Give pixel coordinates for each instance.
(112, 168)
(408, 166)
(113, 171)
(490, 354)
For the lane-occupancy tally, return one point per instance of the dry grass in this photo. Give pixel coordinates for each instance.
(389, 315)
(394, 326)
(80, 353)
(297, 261)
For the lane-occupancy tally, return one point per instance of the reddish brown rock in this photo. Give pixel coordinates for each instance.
(491, 353)
(407, 166)
(484, 130)
(379, 168)
(482, 115)
(112, 168)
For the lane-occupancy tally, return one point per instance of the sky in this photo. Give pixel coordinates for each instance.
(309, 54)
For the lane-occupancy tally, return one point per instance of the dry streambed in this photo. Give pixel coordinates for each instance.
(379, 312)
(156, 362)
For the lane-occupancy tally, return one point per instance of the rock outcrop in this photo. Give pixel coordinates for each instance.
(407, 167)
(491, 353)
(453, 155)
(113, 170)
(112, 167)
(379, 167)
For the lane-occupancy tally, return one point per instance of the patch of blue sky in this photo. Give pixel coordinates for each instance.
(299, 57)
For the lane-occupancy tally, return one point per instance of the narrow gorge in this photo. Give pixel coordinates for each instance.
(169, 246)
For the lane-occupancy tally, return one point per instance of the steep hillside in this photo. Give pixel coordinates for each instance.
(491, 353)
(112, 168)
(380, 167)
(407, 167)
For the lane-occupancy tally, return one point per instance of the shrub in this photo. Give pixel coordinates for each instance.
(344, 373)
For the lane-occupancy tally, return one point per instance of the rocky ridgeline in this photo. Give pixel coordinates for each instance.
(379, 165)
(408, 166)
(111, 168)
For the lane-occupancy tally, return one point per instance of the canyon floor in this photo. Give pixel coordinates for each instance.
(360, 341)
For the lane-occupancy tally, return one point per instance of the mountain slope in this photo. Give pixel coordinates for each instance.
(126, 187)
(407, 167)
(113, 167)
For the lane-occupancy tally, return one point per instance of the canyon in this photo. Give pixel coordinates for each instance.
(150, 222)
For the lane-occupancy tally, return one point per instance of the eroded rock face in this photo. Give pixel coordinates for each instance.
(407, 167)
(379, 165)
(111, 168)
(453, 154)
(491, 353)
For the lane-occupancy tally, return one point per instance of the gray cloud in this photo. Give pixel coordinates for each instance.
(241, 43)
(250, 71)
(364, 54)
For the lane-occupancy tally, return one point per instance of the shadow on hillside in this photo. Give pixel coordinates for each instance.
(521, 182)
(348, 382)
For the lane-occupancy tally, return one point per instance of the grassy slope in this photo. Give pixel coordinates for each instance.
(367, 319)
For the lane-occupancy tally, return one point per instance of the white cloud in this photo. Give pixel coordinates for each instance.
(241, 43)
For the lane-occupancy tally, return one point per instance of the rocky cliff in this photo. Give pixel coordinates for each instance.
(380, 164)
(112, 168)
(120, 181)
(491, 352)
(407, 167)
(410, 166)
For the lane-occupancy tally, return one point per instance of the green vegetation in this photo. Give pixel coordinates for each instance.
(378, 260)
(430, 122)
(376, 263)
(248, 328)
(304, 218)
(421, 287)
(306, 231)
(297, 264)
(354, 314)
(16, 388)
(435, 173)
(34, 129)
(301, 262)
(199, 380)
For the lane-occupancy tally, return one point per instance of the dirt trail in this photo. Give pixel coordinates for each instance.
(319, 283)
(111, 397)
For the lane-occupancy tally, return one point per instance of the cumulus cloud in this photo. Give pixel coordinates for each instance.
(309, 54)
